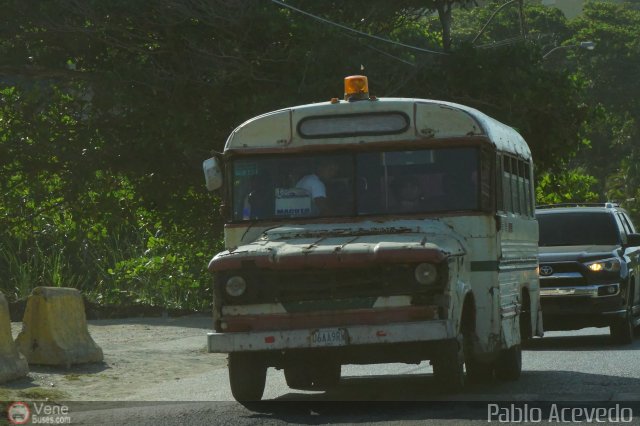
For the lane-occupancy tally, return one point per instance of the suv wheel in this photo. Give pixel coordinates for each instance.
(622, 330)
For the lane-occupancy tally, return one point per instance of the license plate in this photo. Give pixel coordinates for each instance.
(329, 337)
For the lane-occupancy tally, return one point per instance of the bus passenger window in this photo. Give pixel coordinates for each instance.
(506, 184)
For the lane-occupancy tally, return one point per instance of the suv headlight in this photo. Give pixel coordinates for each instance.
(607, 265)
(236, 286)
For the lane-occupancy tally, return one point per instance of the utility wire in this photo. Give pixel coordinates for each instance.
(500, 43)
(490, 19)
(326, 21)
(390, 55)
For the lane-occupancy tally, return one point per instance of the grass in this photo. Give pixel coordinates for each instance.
(127, 267)
(72, 377)
(5, 394)
(42, 394)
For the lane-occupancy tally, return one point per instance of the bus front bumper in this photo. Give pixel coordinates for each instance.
(346, 336)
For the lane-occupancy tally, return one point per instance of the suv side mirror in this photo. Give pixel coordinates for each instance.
(212, 173)
(633, 240)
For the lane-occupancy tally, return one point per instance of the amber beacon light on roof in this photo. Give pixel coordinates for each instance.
(356, 88)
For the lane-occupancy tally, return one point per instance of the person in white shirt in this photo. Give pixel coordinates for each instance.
(314, 183)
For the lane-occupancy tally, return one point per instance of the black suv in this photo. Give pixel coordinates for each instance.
(589, 268)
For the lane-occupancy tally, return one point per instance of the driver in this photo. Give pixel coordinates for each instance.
(315, 185)
(408, 194)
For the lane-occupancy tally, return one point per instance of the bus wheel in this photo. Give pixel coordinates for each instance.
(448, 366)
(526, 329)
(298, 377)
(478, 372)
(508, 366)
(247, 376)
(315, 375)
(327, 376)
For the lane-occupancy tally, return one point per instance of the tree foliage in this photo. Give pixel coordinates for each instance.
(107, 109)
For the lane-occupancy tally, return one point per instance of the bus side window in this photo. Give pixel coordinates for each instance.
(527, 189)
(486, 180)
(506, 183)
(524, 209)
(499, 174)
(515, 193)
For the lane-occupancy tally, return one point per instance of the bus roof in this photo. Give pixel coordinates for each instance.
(342, 122)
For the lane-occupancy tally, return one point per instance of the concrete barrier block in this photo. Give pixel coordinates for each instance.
(12, 364)
(54, 329)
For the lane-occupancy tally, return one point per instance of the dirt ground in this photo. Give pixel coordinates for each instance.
(139, 353)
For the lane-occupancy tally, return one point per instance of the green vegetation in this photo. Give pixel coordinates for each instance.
(42, 394)
(108, 108)
(4, 394)
(32, 393)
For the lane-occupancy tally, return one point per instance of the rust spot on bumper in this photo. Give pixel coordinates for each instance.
(329, 319)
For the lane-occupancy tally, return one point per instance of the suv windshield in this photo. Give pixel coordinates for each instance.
(577, 229)
(349, 184)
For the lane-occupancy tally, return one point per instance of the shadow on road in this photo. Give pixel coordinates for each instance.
(415, 397)
(376, 399)
(596, 342)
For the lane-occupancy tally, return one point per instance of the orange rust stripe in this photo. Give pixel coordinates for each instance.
(329, 319)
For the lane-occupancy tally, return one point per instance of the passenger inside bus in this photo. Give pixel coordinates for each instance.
(316, 185)
(459, 191)
(408, 194)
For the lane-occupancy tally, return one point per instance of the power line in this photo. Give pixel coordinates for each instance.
(500, 43)
(326, 21)
(490, 19)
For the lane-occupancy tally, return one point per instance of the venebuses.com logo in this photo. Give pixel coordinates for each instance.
(20, 413)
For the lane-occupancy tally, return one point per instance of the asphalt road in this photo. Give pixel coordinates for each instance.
(582, 369)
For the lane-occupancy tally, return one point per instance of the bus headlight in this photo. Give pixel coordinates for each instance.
(236, 286)
(426, 273)
(607, 265)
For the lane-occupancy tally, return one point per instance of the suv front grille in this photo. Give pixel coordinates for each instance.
(565, 274)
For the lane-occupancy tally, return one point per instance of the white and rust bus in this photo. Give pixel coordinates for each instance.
(374, 230)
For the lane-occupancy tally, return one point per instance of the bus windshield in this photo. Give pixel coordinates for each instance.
(356, 184)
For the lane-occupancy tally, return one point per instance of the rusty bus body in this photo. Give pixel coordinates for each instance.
(451, 282)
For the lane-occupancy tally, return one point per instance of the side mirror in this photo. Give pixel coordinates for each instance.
(633, 240)
(212, 173)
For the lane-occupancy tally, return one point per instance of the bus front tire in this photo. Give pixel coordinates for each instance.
(316, 376)
(247, 376)
(448, 366)
(478, 372)
(508, 366)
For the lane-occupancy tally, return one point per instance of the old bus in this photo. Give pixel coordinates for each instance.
(368, 230)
